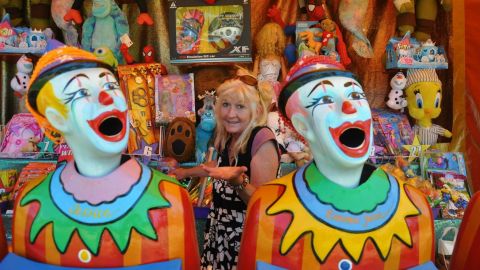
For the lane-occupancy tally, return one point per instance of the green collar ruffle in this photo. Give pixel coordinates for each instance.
(363, 198)
(63, 227)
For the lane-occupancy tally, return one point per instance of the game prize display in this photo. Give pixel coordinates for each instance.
(138, 83)
(209, 33)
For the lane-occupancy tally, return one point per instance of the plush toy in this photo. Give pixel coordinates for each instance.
(180, 141)
(148, 54)
(424, 97)
(58, 10)
(103, 209)
(105, 27)
(396, 100)
(19, 83)
(269, 64)
(316, 11)
(206, 127)
(418, 16)
(74, 13)
(337, 212)
(106, 55)
(352, 14)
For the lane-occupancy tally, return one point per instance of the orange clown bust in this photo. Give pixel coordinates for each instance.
(336, 212)
(103, 209)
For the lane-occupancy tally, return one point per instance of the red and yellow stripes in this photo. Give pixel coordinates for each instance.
(176, 237)
(263, 234)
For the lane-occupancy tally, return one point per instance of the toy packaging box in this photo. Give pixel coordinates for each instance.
(447, 172)
(138, 84)
(174, 97)
(454, 193)
(311, 39)
(201, 33)
(22, 39)
(391, 131)
(22, 134)
(407, 52)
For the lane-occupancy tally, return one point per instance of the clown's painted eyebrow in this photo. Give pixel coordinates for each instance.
(73, 78)
(350, 83)
(103, 74)
(320, 83)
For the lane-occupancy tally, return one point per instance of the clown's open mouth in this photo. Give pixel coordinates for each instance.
(352, 138)
(110, 125)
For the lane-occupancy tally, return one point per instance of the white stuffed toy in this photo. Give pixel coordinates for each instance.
(19, 83)
(396, 100)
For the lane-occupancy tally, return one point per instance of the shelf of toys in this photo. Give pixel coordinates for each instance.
(171, 114)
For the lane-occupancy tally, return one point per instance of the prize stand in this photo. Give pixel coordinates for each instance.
(405, 59)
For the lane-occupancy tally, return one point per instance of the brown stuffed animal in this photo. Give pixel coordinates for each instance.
(180, 139)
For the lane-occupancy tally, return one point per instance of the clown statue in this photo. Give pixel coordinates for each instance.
(336, 212)
(424, 98)
(101, 210)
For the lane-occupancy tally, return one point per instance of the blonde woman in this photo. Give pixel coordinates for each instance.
(248, 157)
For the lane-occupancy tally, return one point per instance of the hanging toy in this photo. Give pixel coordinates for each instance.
(106, 55)
(74, 13)
(58, 10)
(396, 100)
(148, 54)
(106, 27)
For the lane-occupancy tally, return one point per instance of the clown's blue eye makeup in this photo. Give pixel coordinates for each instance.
(320, 101)
(80, 93)
(111, 86)
(356, 95)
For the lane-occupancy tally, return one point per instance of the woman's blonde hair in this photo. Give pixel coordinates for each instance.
(270, 40)
(257, 103)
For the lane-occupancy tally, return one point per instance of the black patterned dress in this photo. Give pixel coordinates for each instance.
(224, 226)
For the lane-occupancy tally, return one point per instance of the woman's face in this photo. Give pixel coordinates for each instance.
(235, 114)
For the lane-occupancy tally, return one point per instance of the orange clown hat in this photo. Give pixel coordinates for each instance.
(307, 69)
(50, 65)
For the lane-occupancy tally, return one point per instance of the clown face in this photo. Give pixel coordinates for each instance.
(336, 121)
(96, 111)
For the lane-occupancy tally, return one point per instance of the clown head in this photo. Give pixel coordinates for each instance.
(73, 93)
(327, 106)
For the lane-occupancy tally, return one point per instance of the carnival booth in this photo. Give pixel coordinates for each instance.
(236, 134)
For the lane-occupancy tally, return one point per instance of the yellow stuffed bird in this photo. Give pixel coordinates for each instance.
(424, 97)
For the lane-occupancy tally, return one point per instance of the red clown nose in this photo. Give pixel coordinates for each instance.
(105, 98)
(347, 108)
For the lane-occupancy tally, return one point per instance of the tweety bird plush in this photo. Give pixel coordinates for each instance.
(424, 97)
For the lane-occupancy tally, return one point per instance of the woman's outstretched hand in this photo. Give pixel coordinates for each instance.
(231, 174)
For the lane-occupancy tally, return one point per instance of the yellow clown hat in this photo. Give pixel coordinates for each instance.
(50, 65)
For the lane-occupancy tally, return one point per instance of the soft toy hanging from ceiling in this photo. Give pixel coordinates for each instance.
(105, 27)
(418, 16)
(74, 13)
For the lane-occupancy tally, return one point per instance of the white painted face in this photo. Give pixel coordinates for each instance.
(96, 110)
(337, 122)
